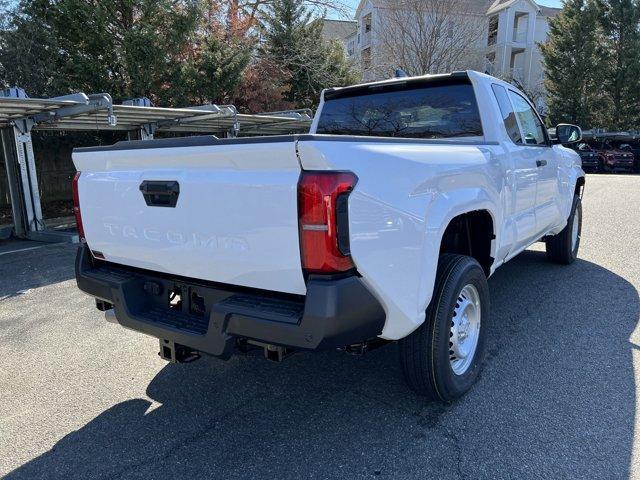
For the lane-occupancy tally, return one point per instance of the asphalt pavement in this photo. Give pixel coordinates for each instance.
(82, 398)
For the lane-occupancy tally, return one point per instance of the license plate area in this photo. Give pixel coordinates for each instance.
(178, 305)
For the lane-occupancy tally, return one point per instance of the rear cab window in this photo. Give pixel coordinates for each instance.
(533, 130)
(508, 115)
(423, 110)
(521, 121)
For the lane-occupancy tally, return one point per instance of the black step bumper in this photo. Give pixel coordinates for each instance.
(212, 317)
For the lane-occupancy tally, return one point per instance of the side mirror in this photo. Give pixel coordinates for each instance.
(567, 134)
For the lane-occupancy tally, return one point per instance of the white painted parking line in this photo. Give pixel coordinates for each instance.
(23, 249)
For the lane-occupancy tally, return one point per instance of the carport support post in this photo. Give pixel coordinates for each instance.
(13, 179)
(28, 176)
(147, 131)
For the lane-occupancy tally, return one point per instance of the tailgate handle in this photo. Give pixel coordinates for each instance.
(160, 193)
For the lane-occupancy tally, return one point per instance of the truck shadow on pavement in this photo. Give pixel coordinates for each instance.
(556, 400)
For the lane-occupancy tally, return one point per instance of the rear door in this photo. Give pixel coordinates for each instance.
(522, 175)
(536, 147)
(234, 219)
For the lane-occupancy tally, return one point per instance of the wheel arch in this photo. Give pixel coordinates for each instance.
(472, 203)
(472, 234)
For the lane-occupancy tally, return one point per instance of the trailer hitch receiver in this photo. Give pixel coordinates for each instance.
(176, 353)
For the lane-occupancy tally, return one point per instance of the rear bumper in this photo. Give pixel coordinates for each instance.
(212, 317)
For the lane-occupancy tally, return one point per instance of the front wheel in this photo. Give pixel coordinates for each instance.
(563, 247)
(442, 358)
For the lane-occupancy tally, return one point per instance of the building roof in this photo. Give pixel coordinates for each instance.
(499, 5)
(338, 29)
(549, 11)
(479, 6)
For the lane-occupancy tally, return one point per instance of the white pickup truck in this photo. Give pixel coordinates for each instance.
(382, 224)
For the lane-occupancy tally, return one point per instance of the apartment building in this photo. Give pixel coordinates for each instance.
(505, 47)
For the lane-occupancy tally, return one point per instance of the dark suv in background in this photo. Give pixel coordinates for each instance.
(589, 157)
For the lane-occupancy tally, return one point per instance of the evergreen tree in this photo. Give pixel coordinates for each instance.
(570, 59)
(176, 52)
(28, 48)
(128, 48)
(619, 62)
(293, 40)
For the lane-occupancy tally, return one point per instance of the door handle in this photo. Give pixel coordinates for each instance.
(541, 163)
(160, 193)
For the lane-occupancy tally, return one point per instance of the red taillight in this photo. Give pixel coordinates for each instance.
(76, 206)
(322, 216)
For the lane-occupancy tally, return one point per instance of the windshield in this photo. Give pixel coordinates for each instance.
(430, 112)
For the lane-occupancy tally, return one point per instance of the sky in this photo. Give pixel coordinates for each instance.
(549, 3)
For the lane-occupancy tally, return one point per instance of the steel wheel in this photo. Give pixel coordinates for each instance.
(575, 230)
(465, 329)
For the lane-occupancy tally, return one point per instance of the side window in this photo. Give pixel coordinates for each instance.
(532, 128)
(508, 115)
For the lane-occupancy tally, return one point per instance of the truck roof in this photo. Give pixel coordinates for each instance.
(455, 76)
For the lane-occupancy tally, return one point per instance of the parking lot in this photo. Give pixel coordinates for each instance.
(82, 398)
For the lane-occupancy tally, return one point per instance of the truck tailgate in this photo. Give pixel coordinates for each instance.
(235, 220)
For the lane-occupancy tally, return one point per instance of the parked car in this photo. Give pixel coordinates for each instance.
(589, 157)
(633, 148)
(381, 225)
(613, 159)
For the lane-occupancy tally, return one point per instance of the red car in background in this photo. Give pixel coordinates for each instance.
(631, 147)
(613, 159)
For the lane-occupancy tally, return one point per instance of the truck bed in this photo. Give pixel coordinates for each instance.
(235, 216)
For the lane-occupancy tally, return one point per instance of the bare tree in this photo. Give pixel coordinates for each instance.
(429, 36)
(252, 8)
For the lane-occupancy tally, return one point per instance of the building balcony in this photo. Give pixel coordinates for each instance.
(520, 36)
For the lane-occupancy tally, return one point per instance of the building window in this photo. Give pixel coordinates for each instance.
(351, 48)
(367, 23)
(366, 58)
(493, 30)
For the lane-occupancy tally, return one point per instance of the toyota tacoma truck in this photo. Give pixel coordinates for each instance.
(613, 159)
(380, 225)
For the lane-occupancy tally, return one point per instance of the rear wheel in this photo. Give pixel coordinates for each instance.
(563, 247)
(442, 358)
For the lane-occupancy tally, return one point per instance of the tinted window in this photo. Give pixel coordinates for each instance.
(508, 116)
(532, 128)
(442, 111)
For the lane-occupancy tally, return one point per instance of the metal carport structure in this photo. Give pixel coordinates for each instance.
(20, 115)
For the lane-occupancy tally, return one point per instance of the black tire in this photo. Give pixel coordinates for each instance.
(560, 247)
(425, 354)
